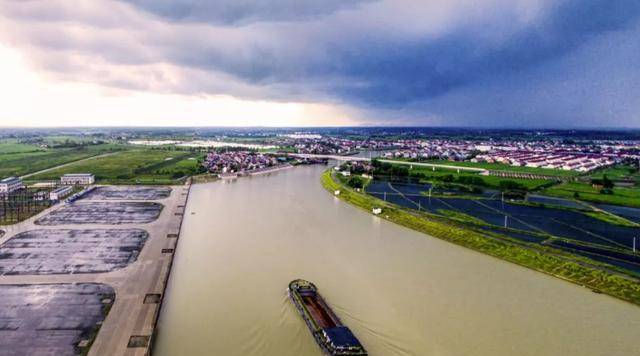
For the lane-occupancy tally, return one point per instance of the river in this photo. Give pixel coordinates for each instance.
(401, 292)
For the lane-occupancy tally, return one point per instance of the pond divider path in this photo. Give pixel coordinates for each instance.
(139, 287)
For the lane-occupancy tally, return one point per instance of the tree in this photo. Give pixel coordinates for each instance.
(448, 178)
(355, 182)
(357, 169)
(400, 171)
(511, 185)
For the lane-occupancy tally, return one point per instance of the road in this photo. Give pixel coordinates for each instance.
(433, 165)
(363, 159)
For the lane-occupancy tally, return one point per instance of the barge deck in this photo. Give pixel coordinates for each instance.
(332, 336)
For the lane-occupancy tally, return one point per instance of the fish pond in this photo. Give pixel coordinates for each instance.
(526, 222)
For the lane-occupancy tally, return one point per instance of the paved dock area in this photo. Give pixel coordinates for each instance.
(65, 251)
(128, 193)
(51, 319)
(100, 212)
(82, 247)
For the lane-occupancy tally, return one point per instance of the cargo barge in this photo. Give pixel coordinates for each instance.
(334, 338)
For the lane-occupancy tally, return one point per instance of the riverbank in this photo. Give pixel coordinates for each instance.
(537, 259)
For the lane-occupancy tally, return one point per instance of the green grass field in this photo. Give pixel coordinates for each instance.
(490, 181)
(620, 196)
(13, 146)
(619, 172)
(21, 163)
(134, 166)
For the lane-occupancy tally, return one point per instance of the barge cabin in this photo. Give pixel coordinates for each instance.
(334, 338)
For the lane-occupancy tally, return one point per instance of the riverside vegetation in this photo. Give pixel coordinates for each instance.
(576, 269)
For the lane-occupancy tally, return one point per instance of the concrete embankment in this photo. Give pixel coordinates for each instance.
(172, 238)
(131, 325)
(269, 169)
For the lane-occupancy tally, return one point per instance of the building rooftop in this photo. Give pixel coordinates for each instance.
(78, 175)
(61, 189)
(9, 179)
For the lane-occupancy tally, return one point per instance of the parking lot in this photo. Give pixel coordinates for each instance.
(128, 193)
(70, 251)
(51, 319)
(112, 213)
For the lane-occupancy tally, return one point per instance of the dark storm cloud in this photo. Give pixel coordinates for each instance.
(399, 72)
(388, 70)
(503, 62)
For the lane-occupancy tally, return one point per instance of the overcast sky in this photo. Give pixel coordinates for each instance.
(499, 63)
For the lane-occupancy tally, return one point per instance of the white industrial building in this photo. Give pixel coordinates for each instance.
(60, 193)
(10, 184)
(78, 179)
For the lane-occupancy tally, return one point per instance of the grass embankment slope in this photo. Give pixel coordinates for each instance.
(146, 166)
(595, 279)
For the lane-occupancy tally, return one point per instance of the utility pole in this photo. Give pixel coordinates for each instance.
(634, 245)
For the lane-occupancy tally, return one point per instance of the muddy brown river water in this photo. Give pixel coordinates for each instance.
(401, 292)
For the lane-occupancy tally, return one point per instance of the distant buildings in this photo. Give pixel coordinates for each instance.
(316, 144)
(553, 159)
(579, 157)
(229, 164)
(77, 179)
(60, 193)
(10, 184)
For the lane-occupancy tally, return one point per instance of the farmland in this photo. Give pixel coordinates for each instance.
(21, 163)
(13, 146)
(146, 166)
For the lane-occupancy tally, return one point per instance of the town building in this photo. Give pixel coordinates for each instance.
(78, 179)
(238, 162)
(60, 193)
(10, 184)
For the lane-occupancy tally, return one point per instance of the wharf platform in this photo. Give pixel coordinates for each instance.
(139, 287)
